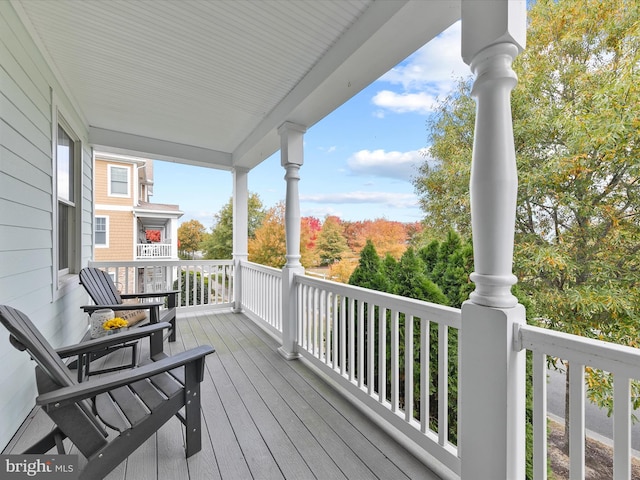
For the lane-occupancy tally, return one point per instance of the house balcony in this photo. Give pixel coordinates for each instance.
(357, 403)
(155, 250)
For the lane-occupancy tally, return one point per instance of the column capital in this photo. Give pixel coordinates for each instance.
(291, 143)
(240, 170)
(490, 22)
(291, 126)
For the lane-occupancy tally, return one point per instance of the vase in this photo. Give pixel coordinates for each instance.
(97, 319)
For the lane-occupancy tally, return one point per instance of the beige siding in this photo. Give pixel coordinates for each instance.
(26, 212)
(120, 236)
(119, 210)
(101, 183)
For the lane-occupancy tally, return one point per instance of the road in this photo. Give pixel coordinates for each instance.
(595, 418)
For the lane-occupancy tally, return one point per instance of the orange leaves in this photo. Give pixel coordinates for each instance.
(387, 236)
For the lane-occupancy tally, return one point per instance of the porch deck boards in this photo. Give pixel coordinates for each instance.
(263, 418)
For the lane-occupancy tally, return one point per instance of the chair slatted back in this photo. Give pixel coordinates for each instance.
(100, 287)
(25, 336)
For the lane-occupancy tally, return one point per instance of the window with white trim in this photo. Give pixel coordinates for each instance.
(118, 181)
(67, 170)
(101, 231)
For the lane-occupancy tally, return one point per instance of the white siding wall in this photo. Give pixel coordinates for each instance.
(26, 213)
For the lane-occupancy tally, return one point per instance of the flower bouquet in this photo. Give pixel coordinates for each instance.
(114, 324)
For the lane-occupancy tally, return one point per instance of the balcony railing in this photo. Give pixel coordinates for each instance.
(202, 283)
(262, 296)
(397, 357)
(622, 362)
(389, 352)
(154, 250)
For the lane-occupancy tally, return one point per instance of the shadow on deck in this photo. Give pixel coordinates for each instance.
(263, 417)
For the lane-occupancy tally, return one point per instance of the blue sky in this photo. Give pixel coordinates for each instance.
(358, 161)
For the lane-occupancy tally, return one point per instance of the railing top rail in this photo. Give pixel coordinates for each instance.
(607, 356)
(429, 311)
(151, 261)
(262, 268)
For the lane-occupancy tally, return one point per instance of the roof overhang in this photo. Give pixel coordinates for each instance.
(208, 83)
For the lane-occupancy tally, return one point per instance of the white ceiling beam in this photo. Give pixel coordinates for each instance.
(127, 144)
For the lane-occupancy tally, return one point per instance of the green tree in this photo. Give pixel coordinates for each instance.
(370, 272)
(577, 136)
(448, 264)
(190, 237)
(219, 243)
(413, 282)
(331, 244)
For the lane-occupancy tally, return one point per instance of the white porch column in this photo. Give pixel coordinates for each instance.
(492, 373)
(240, 231)
(291, 158)
(173, 235)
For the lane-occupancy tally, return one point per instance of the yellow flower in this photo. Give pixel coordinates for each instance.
(115, 323)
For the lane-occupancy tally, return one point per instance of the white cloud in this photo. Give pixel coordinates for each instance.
(378, 163)
(420, 102)
(429, 73)
(396, 200)
(321, 212)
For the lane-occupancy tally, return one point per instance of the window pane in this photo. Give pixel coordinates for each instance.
(65, 166)
(63, 235)
(101, 231)
(119, 181)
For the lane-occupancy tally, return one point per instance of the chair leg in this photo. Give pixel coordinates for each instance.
(52, 439)
(172, 335)
(192, 421)
(172, 303)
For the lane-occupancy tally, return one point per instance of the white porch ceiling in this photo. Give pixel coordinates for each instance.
(208, 82)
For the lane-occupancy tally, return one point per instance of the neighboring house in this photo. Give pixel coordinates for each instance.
(127, 225)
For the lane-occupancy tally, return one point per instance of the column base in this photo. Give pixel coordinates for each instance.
(237, 309)
(288, 355)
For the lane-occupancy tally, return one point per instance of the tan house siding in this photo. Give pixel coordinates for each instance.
(102, 183)
(130, 216)
(120, 236)
(118, 210)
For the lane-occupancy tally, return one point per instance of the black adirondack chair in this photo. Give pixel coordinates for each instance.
(104, 293)
(135, 403)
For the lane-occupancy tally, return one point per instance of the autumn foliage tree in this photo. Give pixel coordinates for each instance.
(190, 236)
(389, 237)
(268, 245)
(309, 229)
(331, 245)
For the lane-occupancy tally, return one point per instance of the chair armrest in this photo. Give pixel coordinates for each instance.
(122, 306)
(149, 294)
(75, 393)
(110, 340)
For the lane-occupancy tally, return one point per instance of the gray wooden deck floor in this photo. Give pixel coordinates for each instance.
(264, 418)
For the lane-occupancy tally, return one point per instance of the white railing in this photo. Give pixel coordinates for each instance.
(408, 375)
(621, 361)
(339, 331)
(153, 250)
(262, 295)
(202, 283)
